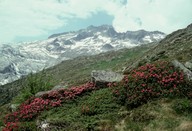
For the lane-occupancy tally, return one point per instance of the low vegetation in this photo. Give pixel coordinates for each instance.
(71, 72)
(156, 80)
(154, 95)
(100, 108)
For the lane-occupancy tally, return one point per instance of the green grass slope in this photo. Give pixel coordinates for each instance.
(76, 71)
(153, 96)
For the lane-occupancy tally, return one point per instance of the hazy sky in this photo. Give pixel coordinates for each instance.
(26, 20)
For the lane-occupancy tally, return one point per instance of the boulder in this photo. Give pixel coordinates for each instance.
(188, 65)
(43, 125)
(102, 77)
(13, 107)
(57, 87)
(186, 71)
(41, 93)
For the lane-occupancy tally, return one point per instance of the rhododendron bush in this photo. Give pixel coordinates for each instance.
(159, 79)
(150, 81)
(32, 107)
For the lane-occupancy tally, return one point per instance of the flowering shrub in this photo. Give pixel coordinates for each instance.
(33, 106)
(160, 79)
(30, 109)
(155, 80)
(10, 126)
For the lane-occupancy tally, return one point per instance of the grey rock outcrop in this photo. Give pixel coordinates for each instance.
(13, 107)
(41, 93)
(102, 77)
(55, 88)
(188, 65)
(43, 125)
(186, 71)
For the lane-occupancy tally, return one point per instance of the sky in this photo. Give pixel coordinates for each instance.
(28, 20)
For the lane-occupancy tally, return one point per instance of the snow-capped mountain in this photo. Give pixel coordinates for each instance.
(20, 60)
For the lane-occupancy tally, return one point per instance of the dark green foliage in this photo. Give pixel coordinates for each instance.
(3, 111)
(37, 82)
(183, 106)
(22, 97)
(1, 123)
(141, 116)
(33, 84)
(27, 126)
(72, 117)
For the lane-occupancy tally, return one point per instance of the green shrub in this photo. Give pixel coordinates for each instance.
(27, 126)
(33, 83)
(1, 123)
(22, 97)
(37, 82)
(182, 106)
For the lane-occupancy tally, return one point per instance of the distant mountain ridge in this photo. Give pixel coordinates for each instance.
(109, 31)
(20, 60)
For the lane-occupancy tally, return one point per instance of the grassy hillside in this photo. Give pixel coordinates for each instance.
(177, 45)
(77, 71)
(154, 95)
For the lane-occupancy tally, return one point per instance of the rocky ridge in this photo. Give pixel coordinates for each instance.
(20, 60)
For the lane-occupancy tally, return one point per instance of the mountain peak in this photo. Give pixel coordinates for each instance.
(106, 30)
(105, 26)
(189, 27)
(92, 40)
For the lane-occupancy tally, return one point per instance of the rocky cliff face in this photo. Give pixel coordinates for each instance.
(29, 57)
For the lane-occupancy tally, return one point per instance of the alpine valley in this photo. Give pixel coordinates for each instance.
(30, 57)
(96, 79)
